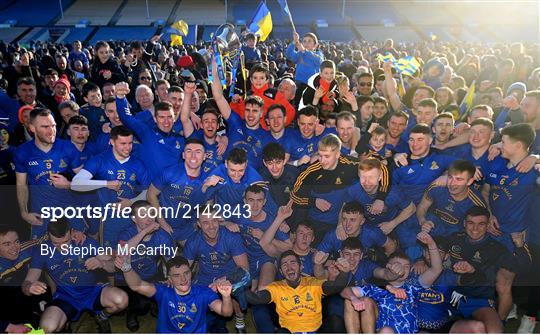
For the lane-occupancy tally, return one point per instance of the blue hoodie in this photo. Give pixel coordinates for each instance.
(307, 62)
(433, 82)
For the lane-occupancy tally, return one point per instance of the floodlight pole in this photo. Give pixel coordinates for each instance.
(61, 9)
(343, 9)
(147, 10)
(226, 11)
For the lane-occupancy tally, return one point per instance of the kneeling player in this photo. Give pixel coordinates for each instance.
(76, 280)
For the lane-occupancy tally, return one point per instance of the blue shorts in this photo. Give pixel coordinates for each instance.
(73, 307)
(256, 265)
(110, 229)
(467, 305)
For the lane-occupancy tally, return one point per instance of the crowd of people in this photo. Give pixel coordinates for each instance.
(321, 190)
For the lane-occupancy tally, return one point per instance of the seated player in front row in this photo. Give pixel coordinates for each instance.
(182, 306)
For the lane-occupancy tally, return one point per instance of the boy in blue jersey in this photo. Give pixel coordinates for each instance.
(93, 110)
(422, 167)
(218, 252)
(443, 208)
(78, 134)
(182, 306)
(506, 188)
(41, 168)
(15, 258)
(227, 184)
(160, 145)
(119, 178)
(279, 175)
(351, 224)
(305, 140)
(398, 312)
(215, 146)
(261, 265)
(483, 263)
(76, 279)
(179, 187)
(144, 233)
(247, 134)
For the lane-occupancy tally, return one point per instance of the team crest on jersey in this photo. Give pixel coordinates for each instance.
(193, 308)
(133, 177)
(338, 181)
(434, 166)
(477, 257)
(177, 145)
(62, 164)
(309, 297)
(68, 262)
(101, 119)
(287, 190)
(456, 249)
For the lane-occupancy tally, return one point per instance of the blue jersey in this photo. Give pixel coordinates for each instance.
(306, 146)
(399, 314)
(13, 272)
(159, 149)
(146, 263)
(394, 203)
(414, 178)
(215, 261)
(286, 140)
(96, 119)
(178, 190)
(38, 165)
(229, 192)
(363, 273)
(253, 248)
(307, 264)
(434, 301)
(370, 237)
(89, 150)
(147, 117)
(447, 212)
(68, 271)
(131, 174)
(464, 151)
(211, 157)
(251, 140)
(182, 313)
(510, 190)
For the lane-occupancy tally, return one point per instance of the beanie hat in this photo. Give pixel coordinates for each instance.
(63, 80)
(517, 86)
(22, 110)
(185, 61)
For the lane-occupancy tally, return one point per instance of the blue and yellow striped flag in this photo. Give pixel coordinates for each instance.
(467, 102)
(385, 58)
(177, 30)
(407, 65)
(261, 24)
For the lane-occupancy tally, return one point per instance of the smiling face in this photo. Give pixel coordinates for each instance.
(275, 120)
(193, 155)
(253, 115)
(396, 126)
(235, 171)
(122, 146)
(164, 120)
(10, 247)
(209, 226)
(258, 79)
(352, 223)
(419, 144)
(45, 129)
(476, 227)
(275, 167)
(209, 124)
(458, 182)
(328, 157)
(480, 136)
(345, 129)
(353, 257)
(307, 125)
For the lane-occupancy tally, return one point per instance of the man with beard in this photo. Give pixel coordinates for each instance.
(179, 186)
(43, 164)
(397, 123)
(298, 299)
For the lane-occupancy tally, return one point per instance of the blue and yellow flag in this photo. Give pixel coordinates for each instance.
(261, 24)
(387, 58)
(177, 30)
(407, 65)
(467, 102)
